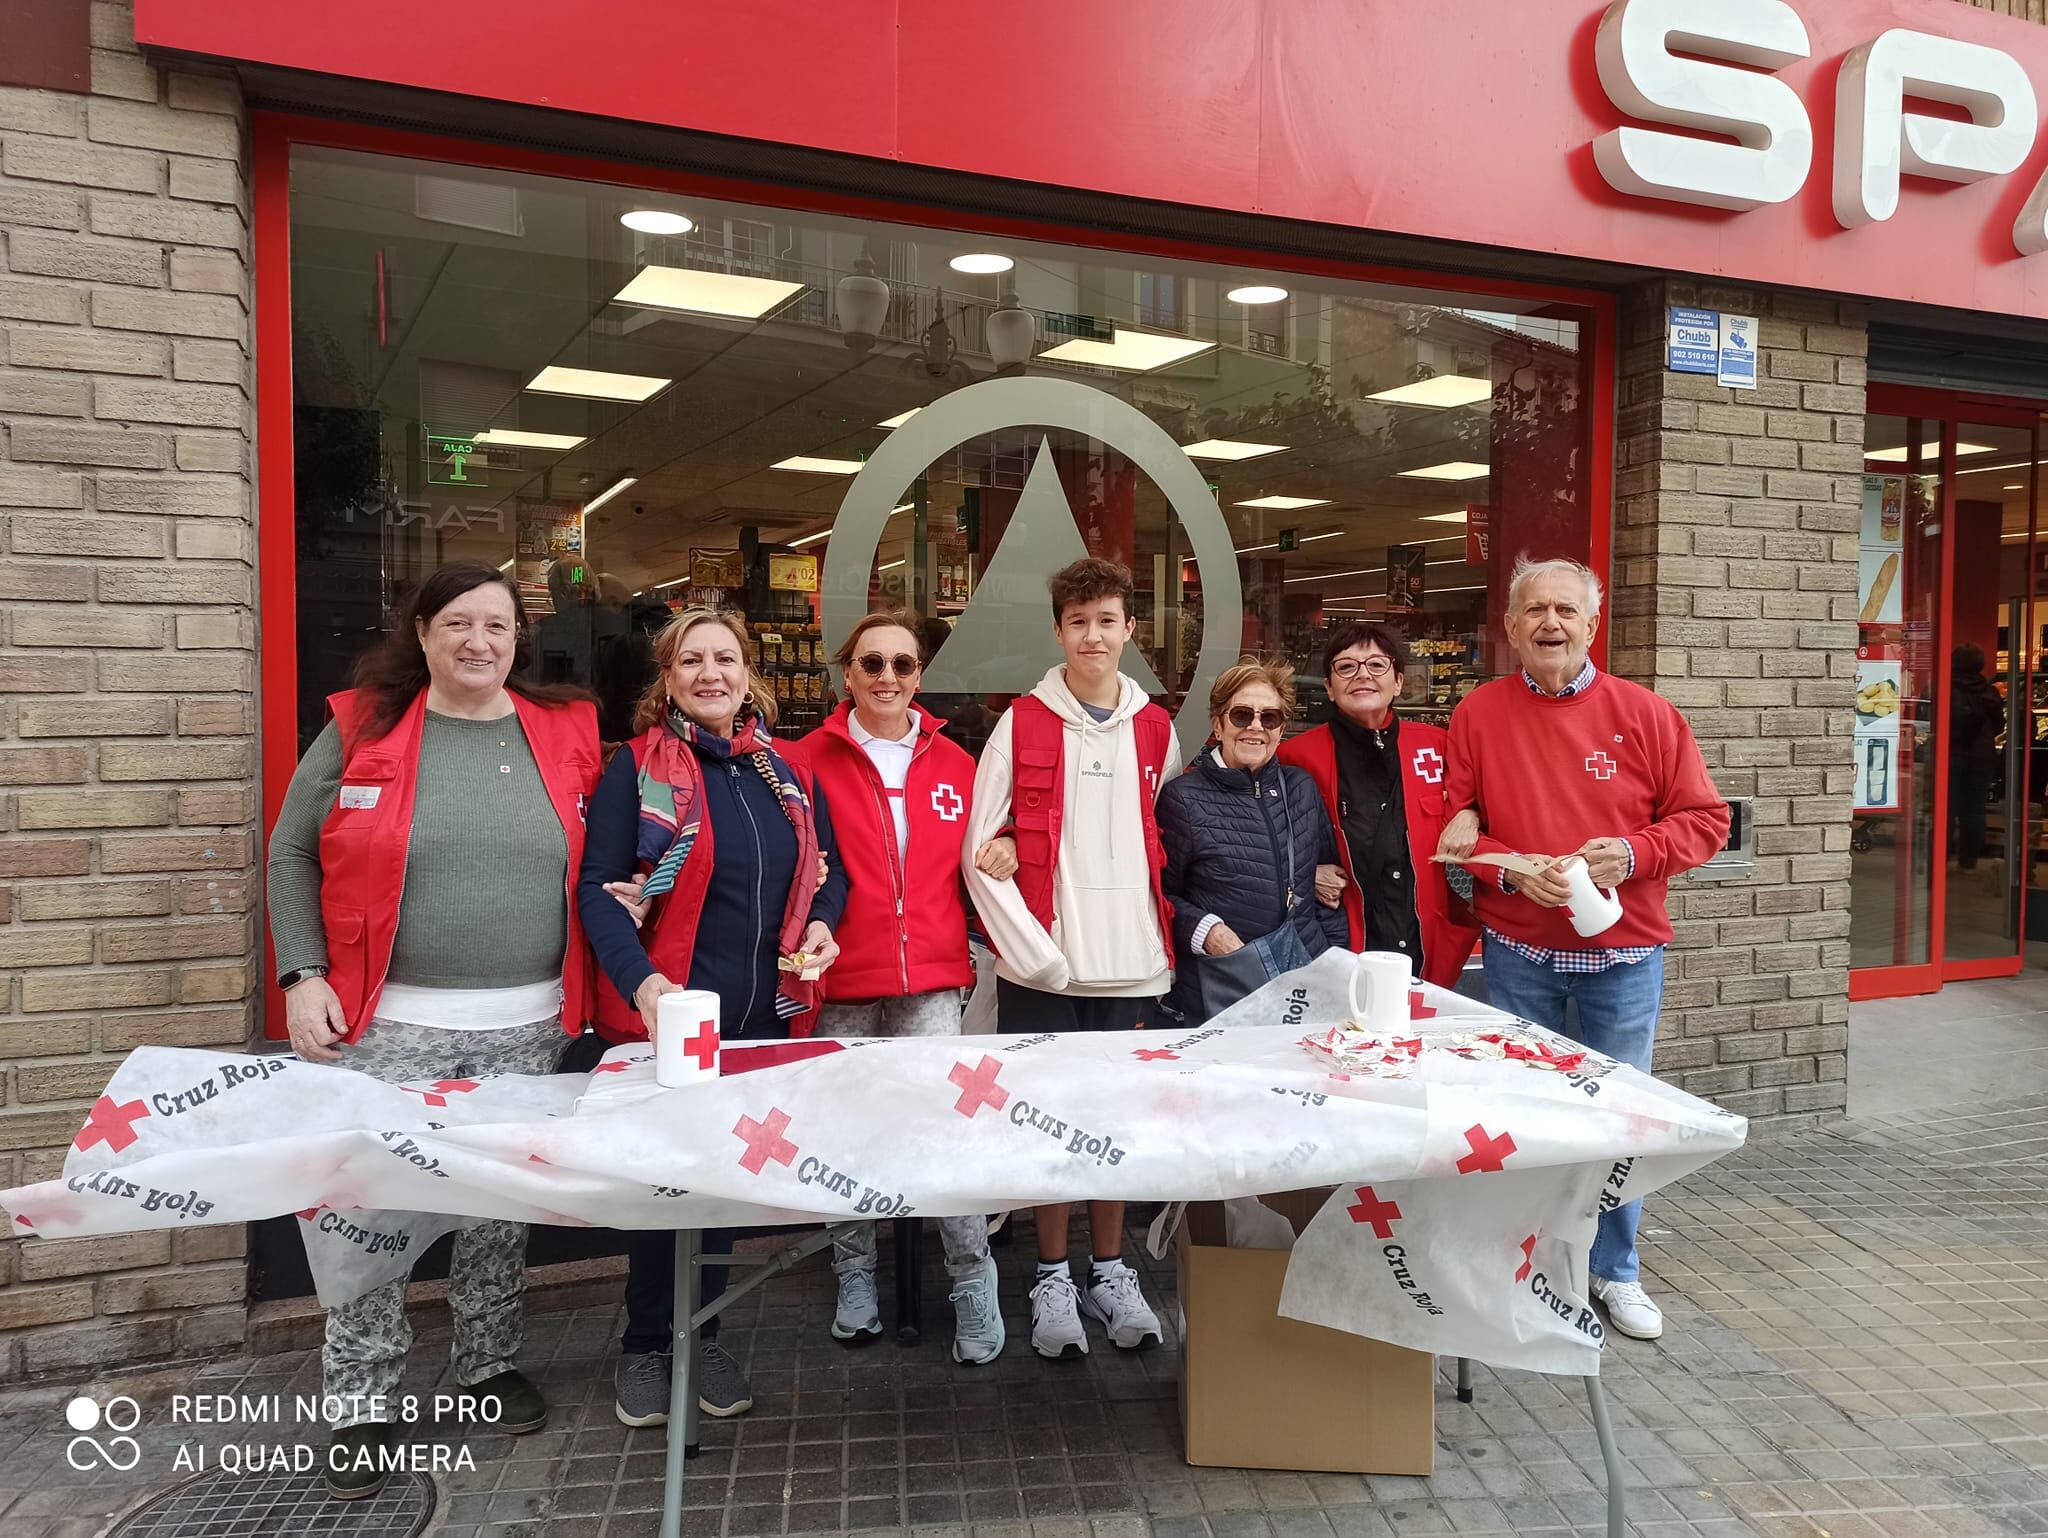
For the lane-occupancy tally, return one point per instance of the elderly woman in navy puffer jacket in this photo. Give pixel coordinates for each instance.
(1243, 836)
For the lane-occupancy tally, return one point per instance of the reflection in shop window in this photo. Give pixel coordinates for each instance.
(708, 397)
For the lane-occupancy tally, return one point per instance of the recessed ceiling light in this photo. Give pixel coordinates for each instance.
(516, 438)
(890, 565)
(1450, 470)
(812, 464)
(808, 538)
(657, 221)
(732, 294)
(609, 492)
(1286, 504)
(1257, 293)
(900, 418)
(1223, 448)
(982, 262)
(595, 384)
(1443, 517)
(1137, 352)
(1441, 391)
(1928, 452)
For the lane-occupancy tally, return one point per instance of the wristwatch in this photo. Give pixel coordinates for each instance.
(293, 979)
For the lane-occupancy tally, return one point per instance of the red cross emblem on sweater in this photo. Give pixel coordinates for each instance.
(111, 1123)
(441, 1089)
(947, 803)
(764, 1141)
(1370, 1209)
(1528, 1248)
(1600, 766)
(1488, 1153)
(978, 1087)
(1429, 765)
(704, 1045)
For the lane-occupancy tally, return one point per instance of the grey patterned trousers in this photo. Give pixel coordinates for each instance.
(917, 1014)
(367, 1340)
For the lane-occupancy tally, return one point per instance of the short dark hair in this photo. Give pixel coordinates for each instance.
(1365, 633)
(1088, 579)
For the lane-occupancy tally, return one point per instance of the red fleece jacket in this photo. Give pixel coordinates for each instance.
(1613, 761)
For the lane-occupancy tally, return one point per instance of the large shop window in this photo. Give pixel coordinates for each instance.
(633, 402)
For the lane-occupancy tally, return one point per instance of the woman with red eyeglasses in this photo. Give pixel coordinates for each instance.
(1243, 836)
(899, 793)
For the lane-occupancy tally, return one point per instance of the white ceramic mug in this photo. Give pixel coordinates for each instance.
(1386, 976)
(1594, 909)
(685, 1051)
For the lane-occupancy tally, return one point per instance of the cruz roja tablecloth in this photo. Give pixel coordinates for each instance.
(1469, 1174)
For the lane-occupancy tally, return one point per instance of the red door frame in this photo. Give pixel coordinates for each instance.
(274, 136)
(1950, 409)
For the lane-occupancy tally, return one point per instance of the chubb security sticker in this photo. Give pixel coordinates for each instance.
(360, 797)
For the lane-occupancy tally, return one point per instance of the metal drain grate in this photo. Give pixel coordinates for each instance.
(220, 1505)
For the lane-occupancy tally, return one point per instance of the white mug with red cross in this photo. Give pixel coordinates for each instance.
(686, 1038)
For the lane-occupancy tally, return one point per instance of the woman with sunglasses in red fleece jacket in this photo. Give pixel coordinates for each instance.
(900, 793)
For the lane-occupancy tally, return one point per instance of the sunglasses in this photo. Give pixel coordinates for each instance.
(1242, 717)
(874, 662)
(1351, 667)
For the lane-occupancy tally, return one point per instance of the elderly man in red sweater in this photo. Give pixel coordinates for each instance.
(1559, 759)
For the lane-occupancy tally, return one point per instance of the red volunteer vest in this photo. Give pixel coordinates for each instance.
(363, 847)
(1038, 794)
(1448, 931)
(670, 933)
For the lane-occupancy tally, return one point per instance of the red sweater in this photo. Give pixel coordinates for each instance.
(1615, 761)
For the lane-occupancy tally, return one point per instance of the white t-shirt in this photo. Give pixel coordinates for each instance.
(892, 762)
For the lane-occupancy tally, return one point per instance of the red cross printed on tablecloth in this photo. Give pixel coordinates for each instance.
(1488, 1153)
(617, 1067)
(1155, 1055)
(111, 1123)
(947, 803)
(1528, 1248)
(537, 1159)
(704, 1045)
(978, 1088)
(22, 1219)
(441, 1089)
(764, 1141)
(1417, 1010)
(1429, 765)
(1370, 1209)
(1600, 766)
(310, 1213)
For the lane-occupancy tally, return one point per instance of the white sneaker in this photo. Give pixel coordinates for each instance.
(1629, 1308)
(1120, 1305)
(1055, 1317)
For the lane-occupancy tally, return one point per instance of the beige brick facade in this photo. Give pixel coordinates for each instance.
(127, 662)
(1735, 598)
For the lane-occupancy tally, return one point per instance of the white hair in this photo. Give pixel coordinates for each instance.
(1526, 570)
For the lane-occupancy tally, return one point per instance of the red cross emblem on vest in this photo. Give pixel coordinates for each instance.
(947, 803)
(1429, 765)
(1600, 766)
(111, 1123)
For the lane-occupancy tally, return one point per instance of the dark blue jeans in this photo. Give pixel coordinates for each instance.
(1617, 1015)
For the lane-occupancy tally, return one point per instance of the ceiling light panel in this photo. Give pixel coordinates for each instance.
(1224, 449)
(1450, 470)
(1441, 392)
(814, 464)
(733, 295)
(1286, 504)
(1133, 352)
(518, 438)
(595, 384)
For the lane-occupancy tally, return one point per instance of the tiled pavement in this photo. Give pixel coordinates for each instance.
(1857, 1348)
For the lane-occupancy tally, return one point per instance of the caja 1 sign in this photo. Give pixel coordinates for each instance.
(1709, 66)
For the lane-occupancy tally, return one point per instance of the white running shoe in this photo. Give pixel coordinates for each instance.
(1120, 1305)
(1629, 1308)
(1055, 1317)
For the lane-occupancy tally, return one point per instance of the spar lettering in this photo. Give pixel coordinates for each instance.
(1080, 1142)
(1610, 1194)
(1297, 1007)
(866, 1199)
(232, 1076)
(1579, 1316)
(413, 1154)
(1397, 1262)
(106, 1183)
(370, 1241)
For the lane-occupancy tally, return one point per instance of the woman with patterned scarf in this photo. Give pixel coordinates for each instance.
(700, 824)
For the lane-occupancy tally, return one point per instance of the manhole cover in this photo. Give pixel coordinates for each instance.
(220, 1505)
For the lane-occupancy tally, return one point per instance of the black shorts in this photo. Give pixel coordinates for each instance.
(1022, 1011)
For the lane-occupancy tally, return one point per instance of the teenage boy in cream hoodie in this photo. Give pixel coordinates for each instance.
(1070, 773)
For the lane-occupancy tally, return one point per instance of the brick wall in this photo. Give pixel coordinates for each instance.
(127, 659)
(1735, 598)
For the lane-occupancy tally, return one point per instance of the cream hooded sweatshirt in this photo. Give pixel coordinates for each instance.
(1105, 931)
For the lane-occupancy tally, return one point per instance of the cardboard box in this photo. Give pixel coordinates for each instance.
(1262, 1392)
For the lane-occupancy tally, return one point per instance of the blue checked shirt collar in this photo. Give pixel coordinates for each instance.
(1576, 686)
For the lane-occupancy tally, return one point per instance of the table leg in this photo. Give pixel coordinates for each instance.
(1464, 1380)
(682, 1393)
(1610, 1455)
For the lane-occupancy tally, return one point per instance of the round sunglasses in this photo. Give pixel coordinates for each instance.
(901, 665)
(1242, 717)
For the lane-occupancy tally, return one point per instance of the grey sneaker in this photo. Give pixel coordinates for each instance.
(856, 1321)
(722, 1389)
(640, 1396)
(977, 1321)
